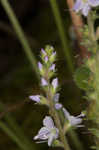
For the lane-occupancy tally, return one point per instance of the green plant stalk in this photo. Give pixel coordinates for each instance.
(91, 28)
(64, 40)
(12, 135)
(54, 114)
(20, 34)
(76, 141)
(92, 37)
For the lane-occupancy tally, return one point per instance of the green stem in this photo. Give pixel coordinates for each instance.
(20, 34)
(54, 114)
(91, 28)
(64, 40)
(12, 135)
(93, 40)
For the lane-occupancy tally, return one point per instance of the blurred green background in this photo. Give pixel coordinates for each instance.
(20, 118)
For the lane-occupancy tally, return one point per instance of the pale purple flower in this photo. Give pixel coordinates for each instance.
(55, 83)
(52, 68)
(43, 51)
(56, 97)
(40, 66)
(35, 98)
(44, 82)
(85, 6)
(58, 106)
(74, 121)
(48, 132)
(46, 59)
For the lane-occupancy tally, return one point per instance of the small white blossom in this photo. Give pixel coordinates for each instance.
(74, 121)
(35, 98)
(44, 82)
(48, 133)
(55, 83)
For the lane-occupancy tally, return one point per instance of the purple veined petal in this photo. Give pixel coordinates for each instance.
(43, 133)
(50, 139)
(78, 5)
(43, 51)
(46, 59)
(52, 68)
(40, 66)
(35, 98)
(48, 122)
(44, 82)
(55, 83)
(93, 3)
(58, 106)
(85, 10)
(66, 113)
(56, 97)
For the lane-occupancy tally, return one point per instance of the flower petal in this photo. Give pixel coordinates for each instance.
(66, 114)
(55, 83)
(43, 134)
(93, 3)
(40, 66)
(48, 122)
(58, 106)
(56, 97)
(43, 82)
(35, 98)
(75, 121)
(43, 51)
(52, 68)
(46, 59)
(78, 5)
(85, 10)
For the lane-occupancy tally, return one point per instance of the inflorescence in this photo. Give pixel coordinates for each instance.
(49, 83)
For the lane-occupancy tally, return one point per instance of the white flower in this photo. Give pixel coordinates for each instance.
(35, 98)
(58, 105)
(44, 82)
(55, 83)
(47, 133)
(85, 6)
(74, 121)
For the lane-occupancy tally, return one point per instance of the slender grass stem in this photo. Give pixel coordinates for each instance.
(12, 135)
(16, 130)
(20, 34)
(64, 40)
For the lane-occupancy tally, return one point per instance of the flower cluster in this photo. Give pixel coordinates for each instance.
(50, 85)
(84, 6)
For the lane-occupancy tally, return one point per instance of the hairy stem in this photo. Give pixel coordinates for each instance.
(92, 38)
(54, 114)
